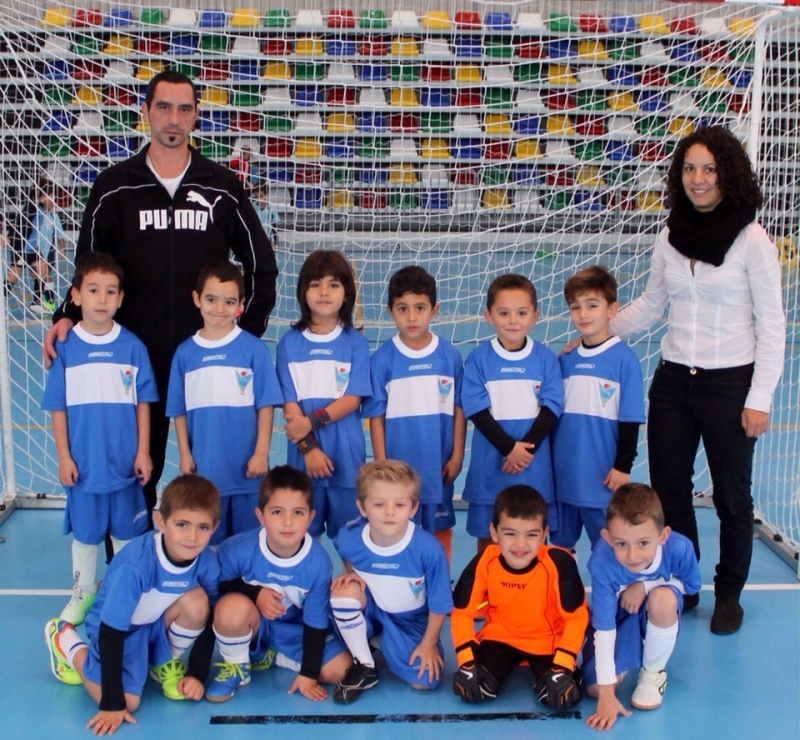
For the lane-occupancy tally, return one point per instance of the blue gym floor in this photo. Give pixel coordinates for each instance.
(741, 686)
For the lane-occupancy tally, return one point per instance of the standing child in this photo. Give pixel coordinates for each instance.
(640, 573)
(222, 390)
(267, 213)
(512, 393)
(152, 606)
(397, 584)
(416, 400)
(276, 584)
(537, 608)
(99, 391)
(594, 442)
(323, 367)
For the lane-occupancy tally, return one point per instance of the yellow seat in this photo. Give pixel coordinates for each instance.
(340, 199)
(436, 20)
(143, 126)
(244, 18)
(214, 96)
(86, 95)
(149, 69)
(308, 46)
(714, 77)
(307, 148)
(649, 200)
(277, 71)
(592, 51)
(655, 25)
(119, 44)
(680, 127)
(405, 46)
(341, 123)
(495, 198)
(497, 123)
(468, 73)
(58, 17)
(404, 98)
(621, 102)
(434, 149)
(560, 124)
(560, 74)
(528, 149)
(589, 176)
(403, 174)
(742, 26)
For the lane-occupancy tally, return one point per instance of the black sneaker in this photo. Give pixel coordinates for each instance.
(359, 677)
(727, 617)
(690, 601)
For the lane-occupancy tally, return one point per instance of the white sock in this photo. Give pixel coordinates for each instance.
(659, 642)
(118, 544)
(70, 642)
(352, 628)
(49, 286)
(181, 639)
(84, 565)
(234, 649)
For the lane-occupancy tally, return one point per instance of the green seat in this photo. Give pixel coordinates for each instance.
(121, 120)
(372, 19)
(307, 71)
(617, 176)
(712, 103)
(87, 45)
(498, 47)
(557, 201)
(277, 18)
(561, 23)
(82, 196)
(341, 176)
(371, 148)
(186, 68)
(435, 123)
(245, 97)
(403, 200)
(215, 148)
(57, 96)
(528, 72)
(497, 97)
(743, 53)
(621, 49)
(587, 151)
(56, 146)
(685, 77)
(405, 72)
(495, 176)
(652, 126)
(151, 17)
(591, 99)
(213, 44)
(277, 124)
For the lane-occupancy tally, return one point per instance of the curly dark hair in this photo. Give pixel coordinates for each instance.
(735, 176)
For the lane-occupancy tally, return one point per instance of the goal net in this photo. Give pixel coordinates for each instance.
(471, 138)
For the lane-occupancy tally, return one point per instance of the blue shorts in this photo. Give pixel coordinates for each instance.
(398, 638)
(286, 638)
(237, 515)
(89, 517)
(571, 519)
(145, 645)
(628, 646)
(335, 506)
(479, 517)
(445, 513)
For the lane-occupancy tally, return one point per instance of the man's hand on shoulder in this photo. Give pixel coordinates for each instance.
(57, 331)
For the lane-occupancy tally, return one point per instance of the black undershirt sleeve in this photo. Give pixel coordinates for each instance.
(111, 645)
(238, 586)
(542, 426)
(313, 649)
(486, 424)
(626, 446)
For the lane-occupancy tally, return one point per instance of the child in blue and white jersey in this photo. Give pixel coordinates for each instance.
(153, 604)
(640, 571)
(512, 394)
(222, 392)
(397, 584)
(99, 392)
(323, 368)
(276, 584)
(594, 442)
(416, 400)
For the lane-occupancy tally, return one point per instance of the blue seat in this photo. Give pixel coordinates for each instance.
(118, 18)
(529, 126)
(181, 44)
(247, 70)
(121, 147)
(467, 46)
(685, 51)
(710, 121)
(87, 173)
(280, 172)
(741, 78)
(59, 120)
(340, 147)
(371, 122)
(435, 97)
(560, 49)
(498, 22)
(373, 72)
(528, 174)
(618, 151)
(213, 120)
(652, 101)
(621, 74)
(435, 200)
(372, 174)
(339, 47)
(56, 69)
(587, 200)
(212, 19)
(466, 149)
(622, 24)
(307, 96)
(308, 198)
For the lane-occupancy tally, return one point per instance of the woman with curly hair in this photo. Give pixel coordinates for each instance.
(722, 354)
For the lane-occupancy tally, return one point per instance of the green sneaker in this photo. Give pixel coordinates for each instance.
(263, 662)
(59, 666)
(227, 678)
(77, 607)
(168, 674)
(48, 306)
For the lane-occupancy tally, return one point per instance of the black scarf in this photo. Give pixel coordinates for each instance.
(707, 236)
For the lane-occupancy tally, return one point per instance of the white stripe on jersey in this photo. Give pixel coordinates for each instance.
(395, 594)
(320, 378)
(423, 395)
(219, 385)
(513, 399)
(103, 382)
(152, 605)
(592, 396)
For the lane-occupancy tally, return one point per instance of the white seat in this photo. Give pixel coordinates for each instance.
(276, 98)
(653, 52)
(621, 126)
(246, 46)
(88, 123)
(530, 101)
(437, 49)
(340, 72)
(403, 149)
(373, 98)
(530, 22)
(713, 27)
(246, 142)
(498, 75)
(591, 76)
(182, 18)
(308, 20)
(55, 46)
(527, 200)
(308, 123)
(434, 175)
(405, 20)
(119, 70)
(559, 151)
(465, 201)
(682, 103)
(466, 123)
(279, 196)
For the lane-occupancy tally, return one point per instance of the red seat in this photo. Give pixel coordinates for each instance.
(714, 52)
(341, 18)
(86, 69)
(654, 77)
(87, 17)
(589, 126)
(404, 123)
(371, 200)
(89, 146)
(651, 151)
(152, 46)
(436, 73)
(278, 147)
(246, 121)
(120, 96)
(217, 70)
(683, 25)
(739, 104)
(624, 200)
(497, 150)
(558, 100)
(373, 47)
(276, 47)
(345, 96)
(466, 98)
(559, 177)
(63, 198)
(463, 175)
(531, 50)
(308, 174)
(592, 24)
(467, 19)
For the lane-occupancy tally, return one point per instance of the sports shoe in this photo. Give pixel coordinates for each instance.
(228, 678)
(690, 601)
(727, 617)
(59, 666)
(359, 677)
(263, 662)
(168, 674)
(36, 308)
(649, 691)
(77, 607)
(48, 306)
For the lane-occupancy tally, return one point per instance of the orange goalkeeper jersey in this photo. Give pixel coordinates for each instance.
(540, 610)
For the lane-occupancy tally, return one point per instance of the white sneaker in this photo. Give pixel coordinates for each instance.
(77, 607)
(36, 308)
(649, 691)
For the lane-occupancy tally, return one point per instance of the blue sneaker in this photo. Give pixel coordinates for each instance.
(227, 678)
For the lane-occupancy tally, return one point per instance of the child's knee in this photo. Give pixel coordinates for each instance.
(662, 605)
(193, 608)
(235, 611)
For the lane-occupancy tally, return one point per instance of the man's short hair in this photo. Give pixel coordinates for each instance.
(635, 503)
(285, 476)
(96, 262)
(412, 279)
(519, 502)
(225, 272)
(171, 77)
(390, 471)
(511, 281)
(192, 492)
(594, 279)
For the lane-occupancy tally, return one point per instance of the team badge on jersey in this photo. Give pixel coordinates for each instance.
(342, 377)
(127, 380)
(607, 391)
(445, 388)
(243, 378)
(416, 586)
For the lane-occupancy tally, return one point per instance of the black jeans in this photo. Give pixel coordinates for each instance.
(687, 405)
